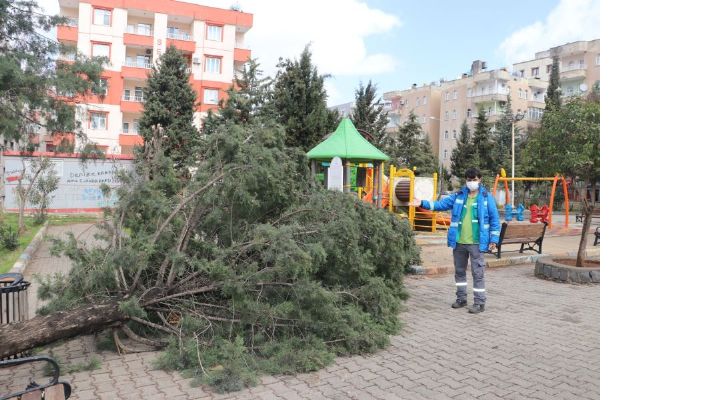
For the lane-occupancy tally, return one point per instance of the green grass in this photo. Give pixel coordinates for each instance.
(8, 258)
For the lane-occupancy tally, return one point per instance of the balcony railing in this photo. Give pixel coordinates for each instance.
(138, 99)
(179, 35)
(139, 30)
(130, 62)
(71, 22)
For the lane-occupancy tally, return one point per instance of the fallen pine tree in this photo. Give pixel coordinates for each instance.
(241, 267)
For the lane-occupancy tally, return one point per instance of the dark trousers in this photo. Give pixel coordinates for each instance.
(462, 254)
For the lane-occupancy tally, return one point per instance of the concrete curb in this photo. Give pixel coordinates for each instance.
(24, 259)
(499, 262)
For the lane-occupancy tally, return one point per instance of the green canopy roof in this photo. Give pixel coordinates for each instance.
(346, 143)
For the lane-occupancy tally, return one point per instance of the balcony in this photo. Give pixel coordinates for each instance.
(135, 68)
(573, 73)
(138, 35)
(484, 97)
(241, 55)
(68, 32)
(500, 74)
(181, 40)
(132, 104)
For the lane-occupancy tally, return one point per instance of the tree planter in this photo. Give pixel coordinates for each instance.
(564, 270)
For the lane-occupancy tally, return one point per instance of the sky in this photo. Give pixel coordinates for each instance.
(395, 43)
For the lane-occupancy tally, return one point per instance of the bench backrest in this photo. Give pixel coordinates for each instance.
(523, 230)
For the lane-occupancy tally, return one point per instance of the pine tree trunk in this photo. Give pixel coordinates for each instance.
(585, 227)
(42, 330)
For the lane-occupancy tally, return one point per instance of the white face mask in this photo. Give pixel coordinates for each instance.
(472, 185)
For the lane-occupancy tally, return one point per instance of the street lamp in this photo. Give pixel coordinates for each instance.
(517, 117)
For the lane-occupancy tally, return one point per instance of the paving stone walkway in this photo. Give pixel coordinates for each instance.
(536, 340)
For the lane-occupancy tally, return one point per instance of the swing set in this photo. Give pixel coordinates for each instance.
(502, 178)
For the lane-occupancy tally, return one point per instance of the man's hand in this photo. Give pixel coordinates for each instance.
(491, 247)
(416, 202)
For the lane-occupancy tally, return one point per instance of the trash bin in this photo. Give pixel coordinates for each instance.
(13, 300)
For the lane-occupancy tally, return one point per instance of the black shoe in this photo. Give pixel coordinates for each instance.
(477, 308)
(459, 304)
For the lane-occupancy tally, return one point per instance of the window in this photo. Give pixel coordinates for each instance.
(98, 120)
(549, 68)
(520, 93)
(102, 16)
(417, 101)
(454, 134)
(570, 65)
(101, 50)
(446, 134)
(139, 93)
(126, 127)
(597, 61)
(446, 154)
(446, 116)
(535, 71)
(453, 114)
(522, 73)
(424, 100)
(143, 29)
(469, 92)
(213, 65)
(581, 64)
(211, 96)
(446, 96)
(469, 113)
(214, 32)
(456, 94)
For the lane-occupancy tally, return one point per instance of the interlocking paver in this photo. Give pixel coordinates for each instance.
(537, 340)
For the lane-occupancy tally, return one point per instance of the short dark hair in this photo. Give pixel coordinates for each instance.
(473, 173)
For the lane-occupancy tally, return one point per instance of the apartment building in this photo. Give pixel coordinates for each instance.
(133, 34)
(479, 89)
(579, 66)
(424, 101)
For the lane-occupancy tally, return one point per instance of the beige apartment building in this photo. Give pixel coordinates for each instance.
(461, 99)
(133, 34)
(424, 101)
(442, 107)
(579, 66)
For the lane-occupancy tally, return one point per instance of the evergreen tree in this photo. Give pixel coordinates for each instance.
(501, 137)
(36, 90)
(368, 115)
(463, 156)
(553, 98)
(412, 148)
(167, 121)
(299, 102)
(483, 145)
(247, 98)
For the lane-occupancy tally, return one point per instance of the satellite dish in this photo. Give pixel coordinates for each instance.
(583, 87)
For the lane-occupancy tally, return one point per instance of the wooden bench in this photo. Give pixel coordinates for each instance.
(53, 390)
(580, 217)
(527, 234)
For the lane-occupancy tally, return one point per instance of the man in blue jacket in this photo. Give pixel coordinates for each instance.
(475, 229)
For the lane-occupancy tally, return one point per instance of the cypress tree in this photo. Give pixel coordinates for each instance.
(299, 102)
(412, 147)
(553, 100)
(168, 113)
(463, 155)
(483, 144)
(369, 116)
